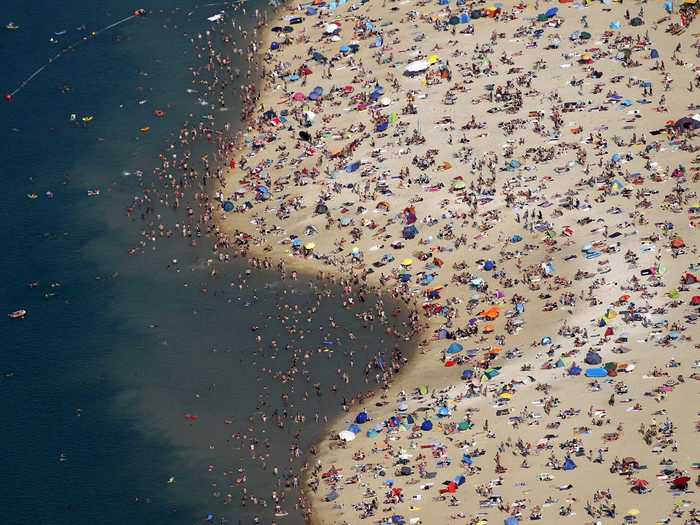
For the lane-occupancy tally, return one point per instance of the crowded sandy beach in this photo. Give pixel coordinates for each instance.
(525, 178)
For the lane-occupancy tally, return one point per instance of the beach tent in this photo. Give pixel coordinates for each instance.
(454, 348)
(489, 265)
(409, 232)
(695, 301)
(426, 425)
(654, 54)
(467, 374)
(355, 429)
(688, 123)
(361, 418)
(464, 425)
(569, 464)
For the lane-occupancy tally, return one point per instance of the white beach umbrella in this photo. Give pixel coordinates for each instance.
(346, 435)
(417, 66)
(331, 28)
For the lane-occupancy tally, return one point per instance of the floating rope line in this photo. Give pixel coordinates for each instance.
(9, 96)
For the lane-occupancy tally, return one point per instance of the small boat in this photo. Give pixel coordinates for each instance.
(11, 25)
(145, 130)
(18, 314)
(87, 119)
(93, 193)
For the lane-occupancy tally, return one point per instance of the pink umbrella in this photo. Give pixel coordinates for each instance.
(298, 96)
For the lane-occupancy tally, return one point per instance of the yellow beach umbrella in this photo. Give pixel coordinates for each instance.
(506, 395)
(633, 512)
(407, 262)
(310, 245)
(432, 59)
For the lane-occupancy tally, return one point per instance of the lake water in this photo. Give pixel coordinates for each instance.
(130, 371)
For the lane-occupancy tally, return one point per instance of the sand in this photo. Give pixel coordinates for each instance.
(502, 122)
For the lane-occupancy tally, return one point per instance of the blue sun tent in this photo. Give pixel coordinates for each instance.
(362, 417)
(355, 429)
(654, 54)
(454, 348)
(569, 464)
(426, 425)
(467, 460)
(409, 232)
(489, 265)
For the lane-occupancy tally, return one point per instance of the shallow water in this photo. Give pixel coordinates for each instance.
(117, 350)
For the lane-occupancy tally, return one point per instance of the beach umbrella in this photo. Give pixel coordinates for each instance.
(331, 28)
(362, 417)
(346, 435)
(636, 22)
(354, 428)
(403, 406)
(454, 20)
(229, 206)
(641, 484)
(417, 66)
(585, 35)
(427, 425)
(654, 54)
(298, 97)
(310, 246)
(443, 412)
(615, 24)
(681, 482)
(633, 512)
(551, 12)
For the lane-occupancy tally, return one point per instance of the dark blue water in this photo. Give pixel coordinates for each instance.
(69, 455)
(116, 350)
